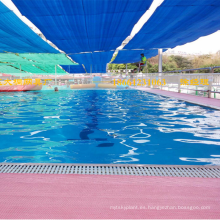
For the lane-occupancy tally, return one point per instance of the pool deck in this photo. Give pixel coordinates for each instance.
(208, 102)
(62, 196)
(70, 196)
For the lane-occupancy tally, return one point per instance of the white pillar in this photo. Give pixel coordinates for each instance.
(126, 69)
(160, 61)
(55, 75)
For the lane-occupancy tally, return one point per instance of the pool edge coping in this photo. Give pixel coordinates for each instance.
(110, 165)
(195, 171)
(179, 98)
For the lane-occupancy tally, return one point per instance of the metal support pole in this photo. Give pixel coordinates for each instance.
(179, 78)
(160, 61)
(55, 75)
(210, 83)
(160, 76)
(20, 71)
(126, 69)
(91, 73)
(142, 77)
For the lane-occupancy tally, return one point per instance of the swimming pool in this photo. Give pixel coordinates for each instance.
(106, 126)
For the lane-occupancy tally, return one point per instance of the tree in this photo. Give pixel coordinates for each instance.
(171, 63)
(182, 62)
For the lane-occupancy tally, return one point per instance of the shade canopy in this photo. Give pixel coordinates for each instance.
(17, 37)
(84, 25)
(10, 70)
(177, 22)
(50, 69)
(27, 69)
(51, 59)
(36, 58)
(132, 56)
(100, 26)
(74, 69)
(94, 62)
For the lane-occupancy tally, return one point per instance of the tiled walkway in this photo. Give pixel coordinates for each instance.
(209, 102)
(63, 196)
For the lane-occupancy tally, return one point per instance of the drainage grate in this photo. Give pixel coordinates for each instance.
(138, 170)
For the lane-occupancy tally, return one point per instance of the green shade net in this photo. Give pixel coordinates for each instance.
(51, 69)
(12, 58)
(41, 64)
(35, 58)
(27, 69)
(41, 69)
(12, 71)
(52, 59)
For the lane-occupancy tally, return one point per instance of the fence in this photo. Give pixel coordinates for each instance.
(207, 84)
(89, 80)
(203, 84)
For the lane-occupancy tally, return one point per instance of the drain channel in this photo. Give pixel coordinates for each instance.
(138, 170)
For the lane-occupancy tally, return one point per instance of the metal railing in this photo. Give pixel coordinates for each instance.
(89, 80)
(173, 82)
(211, 70)
(206, 83)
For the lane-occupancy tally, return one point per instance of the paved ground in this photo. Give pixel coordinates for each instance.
(209, 102)
(66, 196)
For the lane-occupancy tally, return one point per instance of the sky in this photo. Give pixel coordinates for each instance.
(204, 45)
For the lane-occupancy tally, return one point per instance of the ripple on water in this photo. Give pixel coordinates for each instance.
(106, 126)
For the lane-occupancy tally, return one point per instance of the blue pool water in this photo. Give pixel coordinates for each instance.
(106, 126)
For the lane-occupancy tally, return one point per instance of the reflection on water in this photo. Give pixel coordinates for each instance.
(214, 160)
(106, 126)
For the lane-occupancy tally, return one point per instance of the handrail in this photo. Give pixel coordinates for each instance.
(175, 79)
(185, 70)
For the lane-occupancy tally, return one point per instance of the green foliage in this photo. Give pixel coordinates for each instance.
(113, 66)
(149, 68)
(171, 63)
(181, 62)
(131, 66)
(114, 56)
